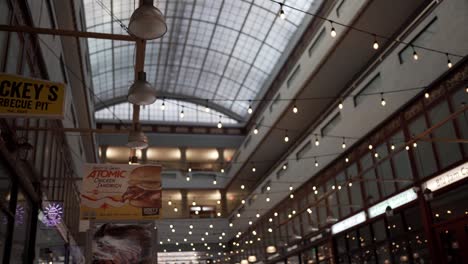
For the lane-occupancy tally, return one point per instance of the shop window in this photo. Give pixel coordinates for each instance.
(331, 198)
(413, 219)
(345, 205)
(353, 240)
(354, 189)
(395, 226)
(365, 237)
(371, 187)
(448, 153)
(401, 163)
(424, 154)
(450, 205)
(380, 233)
(309, 256)
(459, 100)
(383, 254)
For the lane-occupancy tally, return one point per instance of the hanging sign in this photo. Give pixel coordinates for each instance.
(394, 202)
(447, 178)
(20, 96)
(52, 214)
(349, 222)
(120, 192)
(122, 243)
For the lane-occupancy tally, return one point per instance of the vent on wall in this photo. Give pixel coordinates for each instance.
(303, 151)
(317, 41)
(331, 124)
(371, 88)
(293, 76)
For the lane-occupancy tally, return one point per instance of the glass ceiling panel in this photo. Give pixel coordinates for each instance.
(212, 50)
(193, 113)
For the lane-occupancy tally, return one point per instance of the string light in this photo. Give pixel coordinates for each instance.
(317, 142)
(163, 105)
(207, 110)
(291, 187)
(243, 201)
(333, 31)
(340, 105)
(220, 125)
(222, 170)
(285, 166)
(376, 44)
(286, 138)
(370, 146)
(392, 147)
(291, 196)
(214, 181)
(343, 145)
(427, 95)
(346, 160)
(242, 186)
(169, 202)
(295, 110)
(255, 131)
(182, 113)
(176, 209)
(449, 62)
(316, 162)
(282, 15)
(253, 168)
(415, 54)
(267, 199)
(382, 100)
(250, 111)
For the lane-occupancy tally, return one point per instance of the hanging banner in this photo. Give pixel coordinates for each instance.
(119, 243)
(21, 96)
(120, 192)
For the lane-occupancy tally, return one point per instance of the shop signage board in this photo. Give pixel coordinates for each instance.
(26, 97)
(447, 178)
(120, 192)
(349, 222)
(394, 202)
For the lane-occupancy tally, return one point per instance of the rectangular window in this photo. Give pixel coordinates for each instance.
(331, 124)
(293, 76)
(303, 151)
(317, 41)
(371, 89)
(424, 37)
(274, 102)
(339, 8)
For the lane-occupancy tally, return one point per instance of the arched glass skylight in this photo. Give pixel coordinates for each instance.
(193, 113)
(214, 49)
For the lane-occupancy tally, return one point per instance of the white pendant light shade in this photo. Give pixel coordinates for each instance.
(141, 92)
(271, 249)
(147, 22)
(244, 261)
(137, 140)
(252, 259)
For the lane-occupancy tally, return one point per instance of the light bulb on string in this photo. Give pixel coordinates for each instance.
(295, 110)
(282, 15)
(343, 145)
(427, 95)
(207, 110)
(286, 138)
(340, 105)
(222, 170)
(392, 146)
(255, 131)
(382, 100)
(250, 111)
(415, 54)
(163, 105)
(317, 142)
(214, 181)
(169, 202)
(316, 162)
(449, 62)
(376, 43)
(187, 178)
(333, 31)
(253, 168)
(182, 114)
